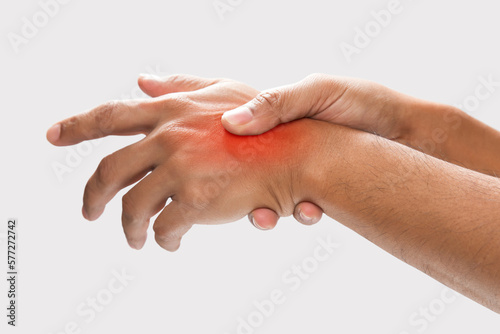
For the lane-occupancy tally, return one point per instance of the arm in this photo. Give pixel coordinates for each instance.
(438, 217)
(436, 129)
(439, 130)
(452, 135)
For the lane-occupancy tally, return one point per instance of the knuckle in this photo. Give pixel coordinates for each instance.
(150, 108)
(190, 190)
(104, 117)
(130, 210)
(171, 106)
(175, 80)
(323, 81)
(168, 137)
(176, 102)
(272, 98)
(275, 100)
(194, 197)
(166, 233)
(158, 227)
(184, 81)
(72, 123)
(105, 173)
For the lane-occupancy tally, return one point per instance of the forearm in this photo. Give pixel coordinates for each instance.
(450, 134)
(438, 217)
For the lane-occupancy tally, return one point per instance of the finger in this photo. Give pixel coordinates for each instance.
(170, 226)
(307, 213)
(284, 104)
(112, 118)
(117, 171)
(155, 86)
(142, 202)
(263, 219)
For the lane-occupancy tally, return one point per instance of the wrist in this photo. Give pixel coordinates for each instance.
(323, 162)
(283, 157)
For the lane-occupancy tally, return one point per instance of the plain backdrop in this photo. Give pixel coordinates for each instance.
(92, 51)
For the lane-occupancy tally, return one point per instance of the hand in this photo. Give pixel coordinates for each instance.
(211, 176)
(263, 218)
(354, 103)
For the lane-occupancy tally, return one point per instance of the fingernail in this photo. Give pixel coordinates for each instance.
(254, 223)
(304, 217)
(239, 116)
(54, 133)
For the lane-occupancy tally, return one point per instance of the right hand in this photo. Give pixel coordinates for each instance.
(354, 103)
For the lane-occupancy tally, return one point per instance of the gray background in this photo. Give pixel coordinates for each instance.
(92, 51)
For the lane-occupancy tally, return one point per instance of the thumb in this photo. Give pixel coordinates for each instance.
(284, 104)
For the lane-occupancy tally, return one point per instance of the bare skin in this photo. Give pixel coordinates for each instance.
(439, 130)
(211, 175)
(438, 217)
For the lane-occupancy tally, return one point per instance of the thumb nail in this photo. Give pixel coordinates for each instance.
(254, 223)
(305, 218)
(239, 116)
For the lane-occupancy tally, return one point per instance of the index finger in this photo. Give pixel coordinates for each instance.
(112, 118)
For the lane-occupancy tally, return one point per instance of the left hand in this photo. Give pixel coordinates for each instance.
(211, 175)
(306, 213)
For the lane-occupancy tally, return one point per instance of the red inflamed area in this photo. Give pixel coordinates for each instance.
(207, 140)
(273, 146)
